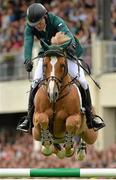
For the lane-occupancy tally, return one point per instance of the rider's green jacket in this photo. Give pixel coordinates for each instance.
(54, 24)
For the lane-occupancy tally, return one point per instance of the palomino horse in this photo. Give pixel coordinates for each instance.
(58, 115)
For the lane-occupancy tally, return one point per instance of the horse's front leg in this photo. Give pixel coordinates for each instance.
(45, 135)
(73, 123)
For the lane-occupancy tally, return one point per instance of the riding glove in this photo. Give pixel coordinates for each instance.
(28, 66)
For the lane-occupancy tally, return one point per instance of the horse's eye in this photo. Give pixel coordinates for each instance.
(62, 65)
(45, 65)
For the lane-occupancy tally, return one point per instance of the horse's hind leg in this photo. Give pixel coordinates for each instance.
(89, 136)
(82, 150)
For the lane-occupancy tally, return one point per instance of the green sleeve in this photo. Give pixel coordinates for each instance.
(28, 43)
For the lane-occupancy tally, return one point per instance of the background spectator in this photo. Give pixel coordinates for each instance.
(16, 150)
(80, 15)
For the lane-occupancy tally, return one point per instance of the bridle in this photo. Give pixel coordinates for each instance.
(57, 81)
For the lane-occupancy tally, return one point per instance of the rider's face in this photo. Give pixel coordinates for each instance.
(41, 24)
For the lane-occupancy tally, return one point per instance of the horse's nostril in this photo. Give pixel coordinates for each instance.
(56, 94)
(52, 96)
(48, 94)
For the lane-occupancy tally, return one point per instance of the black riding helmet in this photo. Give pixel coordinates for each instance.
(34, 13)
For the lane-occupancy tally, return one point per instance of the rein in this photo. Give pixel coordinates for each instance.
(62, 87)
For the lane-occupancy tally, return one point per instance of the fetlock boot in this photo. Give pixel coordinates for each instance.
(27, 124)
(91, 118)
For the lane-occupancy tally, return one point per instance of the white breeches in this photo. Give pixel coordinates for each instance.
(72, 70)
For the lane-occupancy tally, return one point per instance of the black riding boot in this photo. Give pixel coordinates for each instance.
(27, 124)
(91, 118)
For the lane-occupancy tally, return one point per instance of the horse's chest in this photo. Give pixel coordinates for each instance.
(57, 122)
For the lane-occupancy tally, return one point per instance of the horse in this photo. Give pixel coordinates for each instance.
(58, 115)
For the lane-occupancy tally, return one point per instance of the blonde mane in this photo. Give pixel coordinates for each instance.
(59, 38)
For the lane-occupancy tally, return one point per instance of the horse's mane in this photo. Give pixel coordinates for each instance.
(59, 38)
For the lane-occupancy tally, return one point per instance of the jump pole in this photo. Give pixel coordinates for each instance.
(58, 172)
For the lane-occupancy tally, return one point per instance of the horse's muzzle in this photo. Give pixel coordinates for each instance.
(53, 96)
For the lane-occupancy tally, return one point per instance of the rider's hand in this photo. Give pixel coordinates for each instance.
(28, 66)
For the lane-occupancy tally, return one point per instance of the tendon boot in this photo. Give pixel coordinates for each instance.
(27, 124)
(91, 118)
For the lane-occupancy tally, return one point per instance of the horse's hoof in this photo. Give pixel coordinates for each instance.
(60, 154)
(69, 152)
(47, 150)
(81, 155)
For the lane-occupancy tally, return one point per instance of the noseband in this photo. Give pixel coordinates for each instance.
(57, 81)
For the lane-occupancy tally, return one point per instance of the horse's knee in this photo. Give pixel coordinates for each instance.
(43, 120)
(73, 123)
(35, 119)
(40, 119)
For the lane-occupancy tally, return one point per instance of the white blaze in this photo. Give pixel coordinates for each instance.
(52, 83)
(53, 62)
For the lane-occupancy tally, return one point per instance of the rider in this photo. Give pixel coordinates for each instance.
(44, 25)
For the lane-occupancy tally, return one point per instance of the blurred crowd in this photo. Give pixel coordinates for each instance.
(12, 22)
(17, 151)
(80, 15)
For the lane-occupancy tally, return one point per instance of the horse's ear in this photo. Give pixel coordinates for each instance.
(44, 45)
(66, 44)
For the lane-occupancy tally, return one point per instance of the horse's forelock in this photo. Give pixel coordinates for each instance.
(54, 50)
